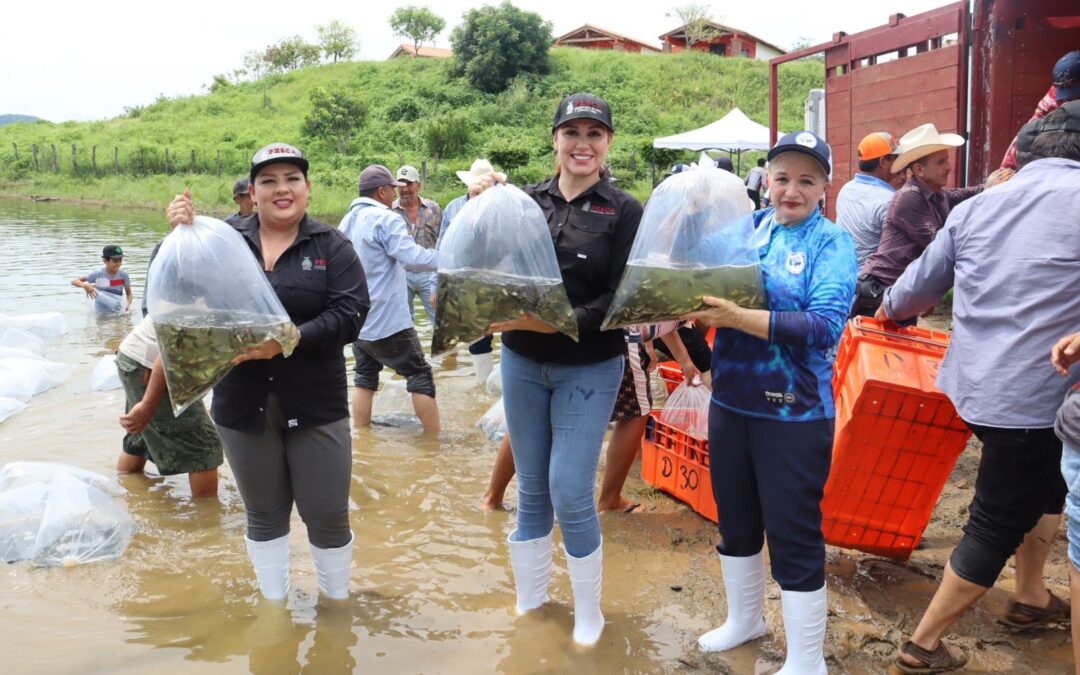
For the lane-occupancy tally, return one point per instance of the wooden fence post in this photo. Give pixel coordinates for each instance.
(219, 163)
(193, 160)
(35, 159)
(93, 159)
(55, 161)
(166, 161)
(116, 159)
(16, 150)
(74, 165)
(423, 171)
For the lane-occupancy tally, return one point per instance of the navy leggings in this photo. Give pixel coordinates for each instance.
(768, 478)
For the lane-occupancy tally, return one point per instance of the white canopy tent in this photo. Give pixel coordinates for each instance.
(734, 132)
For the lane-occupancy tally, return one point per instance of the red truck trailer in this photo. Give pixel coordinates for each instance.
(975, 69)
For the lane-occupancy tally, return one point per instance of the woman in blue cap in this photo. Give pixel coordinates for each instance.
(771, 416)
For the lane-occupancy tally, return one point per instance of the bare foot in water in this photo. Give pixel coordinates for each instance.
(492, 502)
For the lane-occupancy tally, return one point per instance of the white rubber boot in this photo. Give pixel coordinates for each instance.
(805, 616)
(586, 578)
(271, 562)
(531, 562)
(333, 566)
(483, 364)
(744, 584)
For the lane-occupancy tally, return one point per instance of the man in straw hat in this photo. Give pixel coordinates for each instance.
(481, 350)
(916, 213)
(1010, 255)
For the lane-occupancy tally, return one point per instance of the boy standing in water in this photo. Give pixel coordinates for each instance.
(109, 279)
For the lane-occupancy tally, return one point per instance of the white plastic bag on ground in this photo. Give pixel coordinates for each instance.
(687, 409)
(105, 375)
(497, 262)
(493, 422)
(494, 382)
(63, 520)
(24, 378)
(696, 238)
(10, 406)
(17, 338)
(43, 324)
(209, 299)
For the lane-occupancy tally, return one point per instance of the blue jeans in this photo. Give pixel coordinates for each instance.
(422, 284)
(1070, 471)
(557, 416)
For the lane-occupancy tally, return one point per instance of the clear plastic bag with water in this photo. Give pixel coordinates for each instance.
(42, 324)
(687, 408)
(496, 263)
(493, 422)
(17, 338)
(209, 299)
(105, 375)
(696, 238)
(24, 378)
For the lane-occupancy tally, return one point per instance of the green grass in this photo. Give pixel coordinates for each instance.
(651, 95)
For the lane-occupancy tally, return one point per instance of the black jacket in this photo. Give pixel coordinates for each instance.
(321, 284)
(592, 236)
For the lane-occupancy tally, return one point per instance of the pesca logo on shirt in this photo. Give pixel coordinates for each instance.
(589, 207)
(796, 262)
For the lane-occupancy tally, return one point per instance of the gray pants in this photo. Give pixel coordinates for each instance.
(280, 465)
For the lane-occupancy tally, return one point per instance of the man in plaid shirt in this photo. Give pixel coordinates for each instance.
(423, 217)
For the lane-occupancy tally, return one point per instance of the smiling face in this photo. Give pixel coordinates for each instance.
(409, 192)
(281, 192)
(112, 265)
(581, 146)
(797, 183)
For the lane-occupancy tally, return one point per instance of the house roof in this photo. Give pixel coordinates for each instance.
(678, 32)
(431, 52)
(603, 32)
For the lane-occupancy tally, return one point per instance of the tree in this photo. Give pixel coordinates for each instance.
(337, 40)
(290, 54)
(419, 23)
(333, 117)
(494, 44)
(697, 23)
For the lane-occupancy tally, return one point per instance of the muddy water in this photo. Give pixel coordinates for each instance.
(432, 591)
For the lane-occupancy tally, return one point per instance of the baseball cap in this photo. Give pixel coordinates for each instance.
(1067, 76)
(277, 152)
(876, 145)
(408, 173)
(376, 176)
(240, 187)
(112, 251)
(808, 144)
(583, 106)
(1069, 120)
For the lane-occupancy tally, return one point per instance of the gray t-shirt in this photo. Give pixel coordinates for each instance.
(1067, 425)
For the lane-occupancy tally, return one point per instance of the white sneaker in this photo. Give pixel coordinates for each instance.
(586, 578)
(744, 584)
(271, 562)
(805, 617)
(531, 562)
(333, 566)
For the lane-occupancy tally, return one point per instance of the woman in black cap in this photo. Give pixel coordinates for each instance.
(771, 416)
(285, 422)
(558, 393)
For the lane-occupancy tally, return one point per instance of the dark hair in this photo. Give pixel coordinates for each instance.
(761, 161)
(370, 194)
(922, 161)
(1058, 143)
(869, 165)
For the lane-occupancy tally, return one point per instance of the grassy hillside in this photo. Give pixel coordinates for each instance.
(407, 100)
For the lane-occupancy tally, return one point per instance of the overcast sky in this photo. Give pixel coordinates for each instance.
(88, 60)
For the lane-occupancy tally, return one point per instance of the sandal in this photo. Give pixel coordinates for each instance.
(944, 658)
(1019, 616)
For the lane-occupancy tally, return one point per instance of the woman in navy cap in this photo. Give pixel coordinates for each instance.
(558, 393)
(771, 416)
(285, 422)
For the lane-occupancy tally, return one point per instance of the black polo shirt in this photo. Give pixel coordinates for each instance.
(592, 236)
(321, 284)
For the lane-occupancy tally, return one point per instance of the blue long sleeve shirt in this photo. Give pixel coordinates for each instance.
(382, 241)
(809, 271)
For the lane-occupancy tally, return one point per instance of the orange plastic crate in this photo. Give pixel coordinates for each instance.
(897, 438)
(671, 374)
(677, 462)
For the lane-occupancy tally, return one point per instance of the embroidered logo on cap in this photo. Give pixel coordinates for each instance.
(806, 139)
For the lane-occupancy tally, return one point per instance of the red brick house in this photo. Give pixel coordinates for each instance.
(591, 37)
(727, 41)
